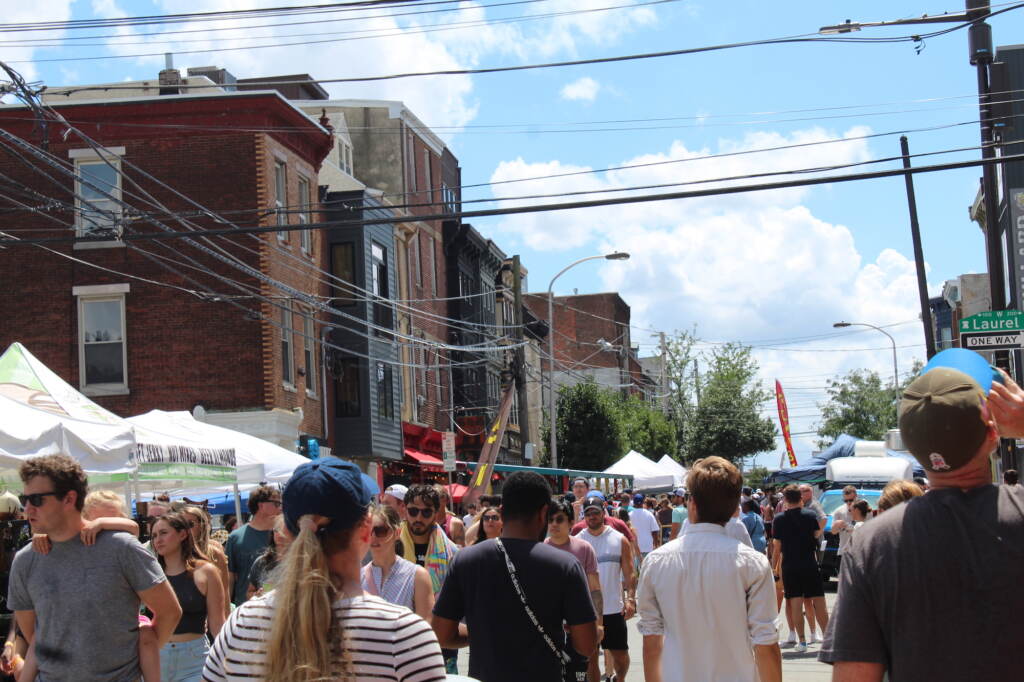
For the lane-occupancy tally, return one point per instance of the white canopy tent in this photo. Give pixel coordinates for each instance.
(41, 414)
(257, 460)
(673, 467)
(648, 476)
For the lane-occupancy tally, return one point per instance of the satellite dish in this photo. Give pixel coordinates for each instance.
(199, 412)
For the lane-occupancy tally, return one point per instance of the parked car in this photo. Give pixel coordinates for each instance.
(830, 501)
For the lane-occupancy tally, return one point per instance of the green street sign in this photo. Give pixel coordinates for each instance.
(993, 321)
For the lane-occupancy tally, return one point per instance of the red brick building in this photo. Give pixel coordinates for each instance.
(132, 322)
(592, 342)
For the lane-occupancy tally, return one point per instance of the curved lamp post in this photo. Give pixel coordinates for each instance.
(895, 368)
(552, 406)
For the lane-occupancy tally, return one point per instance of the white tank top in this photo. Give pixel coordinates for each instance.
(608, 548)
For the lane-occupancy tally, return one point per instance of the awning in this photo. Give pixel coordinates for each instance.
(423, 458)
(456, 491)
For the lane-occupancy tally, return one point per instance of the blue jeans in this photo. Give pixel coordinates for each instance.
(183, 661)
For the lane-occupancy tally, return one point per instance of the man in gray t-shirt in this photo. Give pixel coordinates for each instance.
(80, 604)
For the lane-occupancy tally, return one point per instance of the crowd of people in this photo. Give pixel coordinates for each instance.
(328, 581)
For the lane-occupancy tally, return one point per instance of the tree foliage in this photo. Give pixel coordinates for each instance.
(727, 418)
(754, 477)
(861, 404)
(597, 426)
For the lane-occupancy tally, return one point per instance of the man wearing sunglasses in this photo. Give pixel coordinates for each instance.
(247, 543)
(425, 543)
(79, 604)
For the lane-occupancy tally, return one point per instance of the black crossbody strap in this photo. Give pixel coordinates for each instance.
(563, 658)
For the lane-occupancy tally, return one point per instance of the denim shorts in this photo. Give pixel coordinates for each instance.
(183, 661)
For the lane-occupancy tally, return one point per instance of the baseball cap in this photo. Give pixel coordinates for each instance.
(967, 361)
(941, 420)
(328, 487)
(679, 492)
(593, 502)
(397, 491)
(638, 499)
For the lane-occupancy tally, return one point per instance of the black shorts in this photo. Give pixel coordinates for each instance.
(615, 638)
(802, 581)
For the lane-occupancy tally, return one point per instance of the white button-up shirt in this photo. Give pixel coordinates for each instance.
(712, 598)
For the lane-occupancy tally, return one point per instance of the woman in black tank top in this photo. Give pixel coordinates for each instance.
(199, 590)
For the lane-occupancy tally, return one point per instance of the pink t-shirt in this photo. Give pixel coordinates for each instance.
(582, 550)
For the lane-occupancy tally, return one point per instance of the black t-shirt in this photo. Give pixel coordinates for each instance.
(932, 588)
(795, 529)
(421, 552)
(504, 644)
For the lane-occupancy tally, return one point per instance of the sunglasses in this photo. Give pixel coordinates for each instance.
(35, 499)
(425, 512)
(276, 503)
(491, 517)
(381, 531)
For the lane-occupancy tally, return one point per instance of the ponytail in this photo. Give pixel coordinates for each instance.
(305, 636)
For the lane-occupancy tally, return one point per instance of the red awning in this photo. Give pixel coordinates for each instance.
(423, 458)
(457, 491)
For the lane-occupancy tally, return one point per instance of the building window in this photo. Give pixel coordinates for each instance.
(431, 267)
(97, 197)
(448, 198)
(287, 361)
(437, 375)
(513, 415)
(410, 162)
(281, 198)
(493, 391)
(414, 259)
(466, 286)
(385, 403)
(102, 352)
(347, 393)
(343, 268)
(427, 177)
(379, 284)
(508, 316)
(309, 352)
(345, 156)
(305, 218)
(487, 289)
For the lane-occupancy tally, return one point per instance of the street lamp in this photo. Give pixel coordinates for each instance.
(618, 255)
(895, 368)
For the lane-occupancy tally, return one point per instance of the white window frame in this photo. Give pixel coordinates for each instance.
(433, 265)
(90, 156)
(309, 355)
(287, 346)
(99, 294)
(305, 236)
(281, 196)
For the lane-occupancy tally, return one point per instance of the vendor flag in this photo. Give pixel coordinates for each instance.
(780, 400)
(489, 453)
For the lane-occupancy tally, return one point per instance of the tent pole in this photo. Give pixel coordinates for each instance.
(238, 505)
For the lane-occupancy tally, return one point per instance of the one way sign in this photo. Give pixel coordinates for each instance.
(981, 341)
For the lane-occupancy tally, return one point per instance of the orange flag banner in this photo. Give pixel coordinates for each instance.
(780, 400)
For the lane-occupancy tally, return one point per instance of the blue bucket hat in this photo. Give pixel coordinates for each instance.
(966, 362)
(328, 487)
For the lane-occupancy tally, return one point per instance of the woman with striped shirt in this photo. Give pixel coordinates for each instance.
(318, 624)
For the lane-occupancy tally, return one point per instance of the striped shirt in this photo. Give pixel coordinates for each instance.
(384, 642)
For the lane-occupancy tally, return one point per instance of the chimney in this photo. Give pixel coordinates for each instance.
(170, 82)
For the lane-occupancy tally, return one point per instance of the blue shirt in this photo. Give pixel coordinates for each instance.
(755, 526)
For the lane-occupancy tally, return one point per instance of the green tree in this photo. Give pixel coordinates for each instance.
(726, 420)
(591, 435)
(647, 430)
(680, 367)
(861, 404)
(754, 477)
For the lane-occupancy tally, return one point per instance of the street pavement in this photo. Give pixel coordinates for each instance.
(795, 667)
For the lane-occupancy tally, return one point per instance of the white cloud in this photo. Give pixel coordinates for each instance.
(20, 57)
(584, 89)
(757, 267)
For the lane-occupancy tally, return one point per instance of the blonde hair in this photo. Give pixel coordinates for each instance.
(897, 492)
(306, 639)
(103, 498)
(199, 514)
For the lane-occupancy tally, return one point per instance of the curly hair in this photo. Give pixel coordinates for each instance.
(427, 494)
(264, 493)
(64, 472)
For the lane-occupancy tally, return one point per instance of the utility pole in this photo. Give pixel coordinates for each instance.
(915, 234)
(520, 353)
(664, 374)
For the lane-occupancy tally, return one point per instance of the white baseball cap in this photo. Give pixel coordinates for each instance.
(397, 491)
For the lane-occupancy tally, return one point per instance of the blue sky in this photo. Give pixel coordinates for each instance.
(769, 269)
